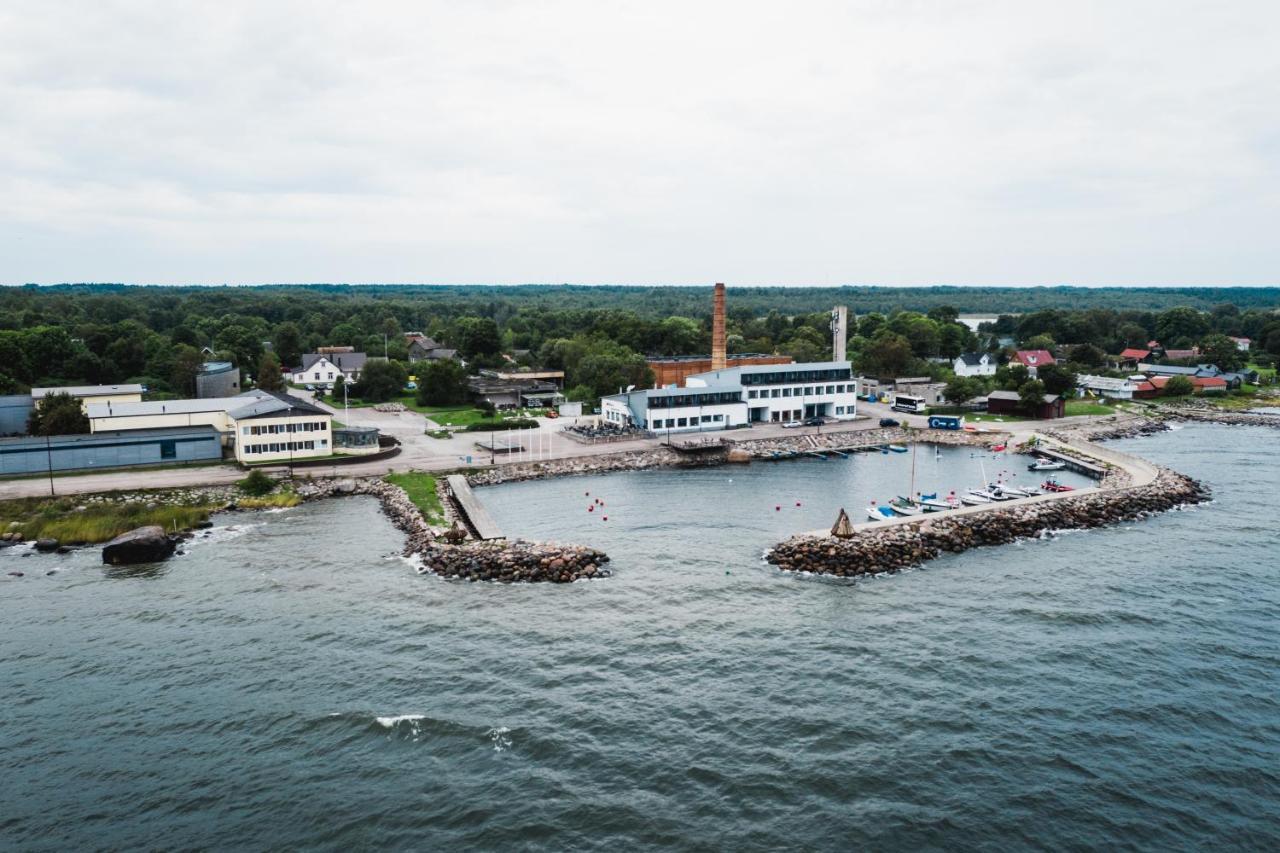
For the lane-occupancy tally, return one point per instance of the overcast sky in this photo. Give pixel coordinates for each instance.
(890, 142)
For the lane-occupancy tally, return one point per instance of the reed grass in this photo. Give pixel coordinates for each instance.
(61, 520)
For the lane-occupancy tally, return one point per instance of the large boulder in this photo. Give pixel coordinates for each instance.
(143, 545)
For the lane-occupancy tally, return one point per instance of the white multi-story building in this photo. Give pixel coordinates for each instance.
(740, 396)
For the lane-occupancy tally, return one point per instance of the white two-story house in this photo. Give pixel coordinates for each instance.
(974, 364)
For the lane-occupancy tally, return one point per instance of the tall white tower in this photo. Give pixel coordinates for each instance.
(839, 332)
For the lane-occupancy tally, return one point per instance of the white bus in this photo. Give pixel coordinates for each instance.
(903, 403)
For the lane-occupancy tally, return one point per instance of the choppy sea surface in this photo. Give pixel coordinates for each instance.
(292, 683)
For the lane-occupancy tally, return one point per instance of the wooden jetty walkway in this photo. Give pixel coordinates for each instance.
(473, 512)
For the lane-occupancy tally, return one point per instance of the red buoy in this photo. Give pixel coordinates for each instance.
(604, 517)
(778, 508)
(797, 503)
(591, 509)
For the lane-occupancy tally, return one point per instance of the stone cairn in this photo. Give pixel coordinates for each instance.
(892, 548)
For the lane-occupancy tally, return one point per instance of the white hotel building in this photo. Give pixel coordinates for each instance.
(740, 396)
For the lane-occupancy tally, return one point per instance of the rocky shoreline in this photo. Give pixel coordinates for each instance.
(893, 548)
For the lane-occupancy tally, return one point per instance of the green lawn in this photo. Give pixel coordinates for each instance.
(421, 489)
(1087, 407)
(992, 419)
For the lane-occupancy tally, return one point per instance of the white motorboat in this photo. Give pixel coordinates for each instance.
(1011, 491)
(931, 503)
(879, 513)
(902, 506)
(1043, 464)
(986, 495)
(974, 499)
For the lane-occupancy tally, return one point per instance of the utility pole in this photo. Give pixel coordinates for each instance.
(48, 450)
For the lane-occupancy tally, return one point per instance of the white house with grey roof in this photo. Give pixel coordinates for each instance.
(974, 364)
(324, 368)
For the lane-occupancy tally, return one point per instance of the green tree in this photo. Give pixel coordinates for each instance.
(1057, 379)
(339, 387)
(1031, 396)
(477, 336)
(288, 342)
(1222, 351)
(1088, 355)
(58, 414)
(1180, 326)
(187, 362)
(582, 394)
(960, 389)
(1011, 376)
(1178, 386)
(888, 355)
(442, 382)
(381, 380)
(269, 377)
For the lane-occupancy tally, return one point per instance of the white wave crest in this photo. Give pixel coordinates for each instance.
(499, 737)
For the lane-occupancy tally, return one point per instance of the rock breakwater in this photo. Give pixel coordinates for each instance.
(895, 547)
(516, 561)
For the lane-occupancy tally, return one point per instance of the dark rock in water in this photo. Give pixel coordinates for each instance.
(203, 525)
(46, 544)
(64, 549)
(144, 545)
(17, 574)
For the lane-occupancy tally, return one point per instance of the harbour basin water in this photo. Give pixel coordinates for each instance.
(291, 682)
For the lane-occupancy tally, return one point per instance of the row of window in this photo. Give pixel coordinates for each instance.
(674, 423)
(285, 446)
(793, 376)
(292, 426)
(682, 401)
(806, 391)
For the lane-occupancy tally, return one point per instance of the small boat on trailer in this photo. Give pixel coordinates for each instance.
(1044, 464)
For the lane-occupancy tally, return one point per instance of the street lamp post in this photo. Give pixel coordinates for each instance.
(48, 450)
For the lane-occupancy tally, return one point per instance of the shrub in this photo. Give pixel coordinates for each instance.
(257, 484)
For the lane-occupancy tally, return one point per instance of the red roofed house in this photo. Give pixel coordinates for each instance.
(1032, 359)
(1147, 389)
(1181, 354)
(1132, 356)
(1209, 384)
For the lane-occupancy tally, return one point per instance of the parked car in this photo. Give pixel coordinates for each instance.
(814, 421)
(888, 422)
(310, 387)
(792, 424)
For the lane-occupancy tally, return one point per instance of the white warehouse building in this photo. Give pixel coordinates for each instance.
(740, 396)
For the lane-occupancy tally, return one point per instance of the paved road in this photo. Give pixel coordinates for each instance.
(421, 452)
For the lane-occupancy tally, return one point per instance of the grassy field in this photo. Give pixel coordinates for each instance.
(421, 489)
(58, 518)
(1087, 407)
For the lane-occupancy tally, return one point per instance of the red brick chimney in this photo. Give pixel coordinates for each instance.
(717, 330)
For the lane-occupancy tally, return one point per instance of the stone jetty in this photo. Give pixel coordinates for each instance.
(514, 561)
(875, 550)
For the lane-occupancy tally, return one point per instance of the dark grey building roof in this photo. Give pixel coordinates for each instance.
(344, 361)
(973, 359)
(275, 404)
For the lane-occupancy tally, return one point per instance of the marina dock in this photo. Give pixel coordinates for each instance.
(471, 510)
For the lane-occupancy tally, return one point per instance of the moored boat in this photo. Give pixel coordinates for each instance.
(903, 506)
(878, 513)
(1052, 485)
(1043, 464)
(897, 448)
(974, 499)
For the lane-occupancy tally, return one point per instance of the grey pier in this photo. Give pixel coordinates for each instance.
(473, 512)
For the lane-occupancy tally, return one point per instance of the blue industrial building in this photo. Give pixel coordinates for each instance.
(14, 411)
(168, 446)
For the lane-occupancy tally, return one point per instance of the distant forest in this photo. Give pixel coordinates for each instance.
(692, 301)
(599, 335)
